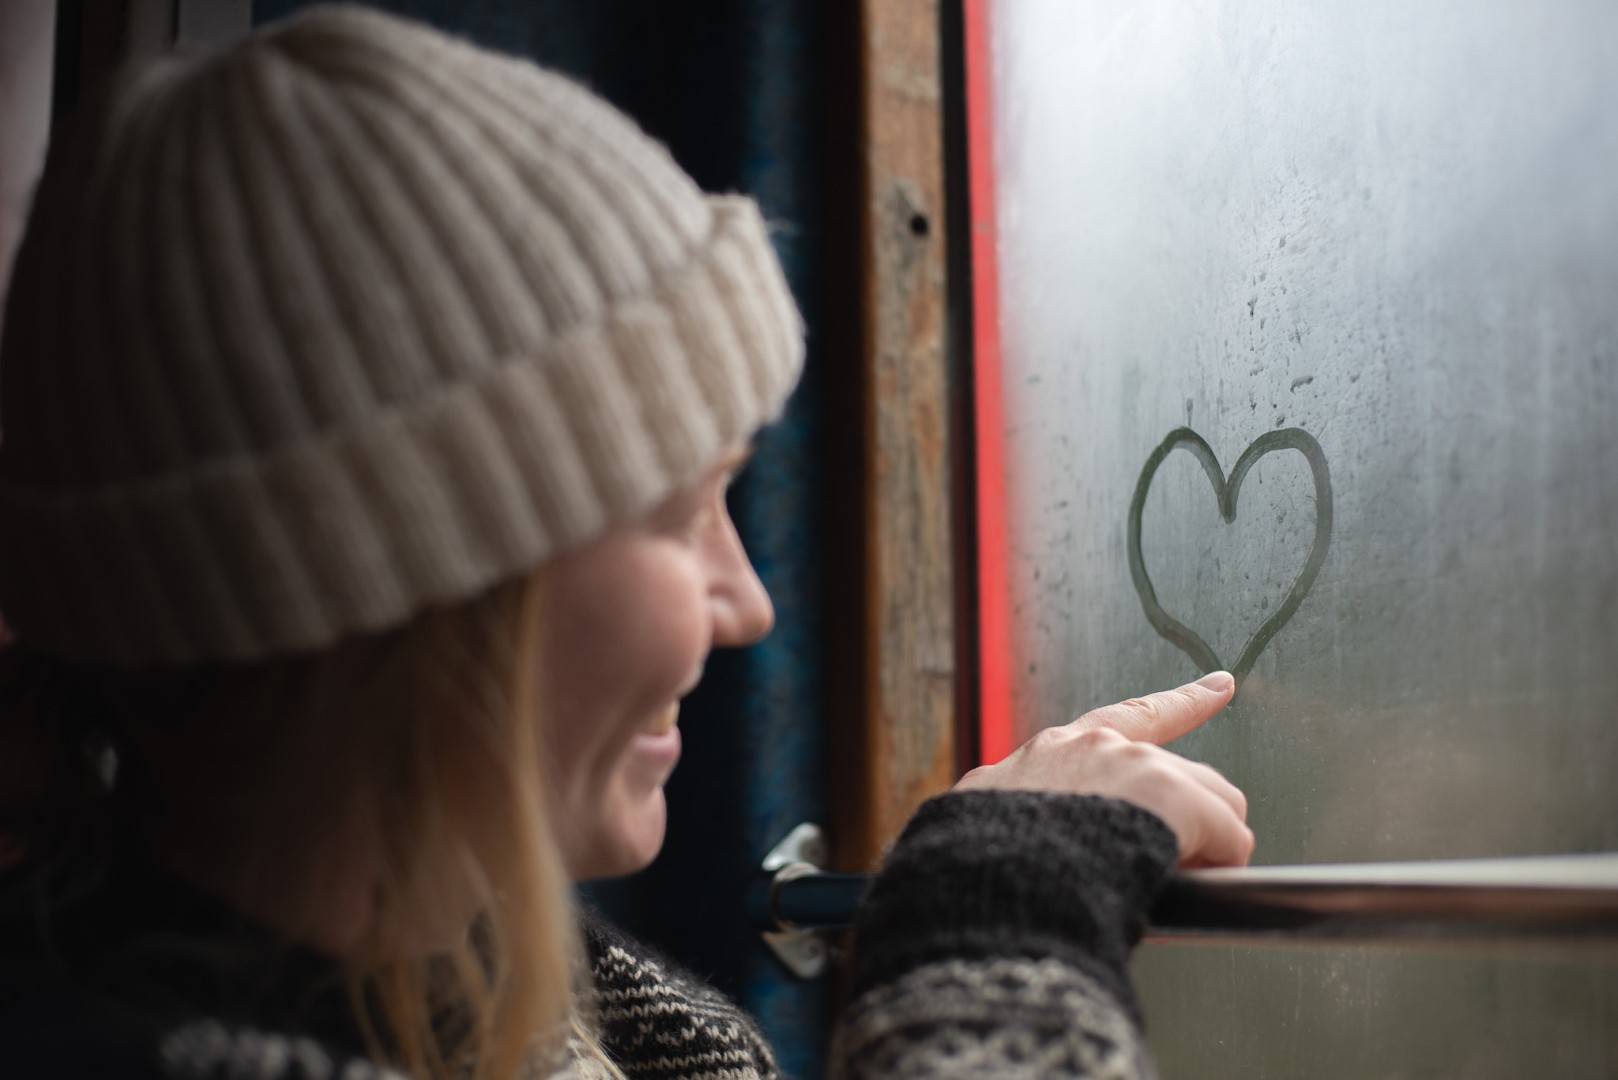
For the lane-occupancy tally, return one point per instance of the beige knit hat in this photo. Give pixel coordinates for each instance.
(350, 320)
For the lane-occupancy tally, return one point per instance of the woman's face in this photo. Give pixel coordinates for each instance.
(628, 622)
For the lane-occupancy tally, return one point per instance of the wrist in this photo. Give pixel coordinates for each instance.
(1016, 873)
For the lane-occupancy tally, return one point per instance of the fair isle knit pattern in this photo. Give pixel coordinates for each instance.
(208, 1050)
(995, 941)
(660, 1024)
(992, 944)
(1008, 1017)
(349, 320)
(655, 1022)
(1003, 1018)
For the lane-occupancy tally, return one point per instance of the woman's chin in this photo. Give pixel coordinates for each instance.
(627, 842)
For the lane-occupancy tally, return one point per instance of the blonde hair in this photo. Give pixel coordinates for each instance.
(464, 816)
(429, 733)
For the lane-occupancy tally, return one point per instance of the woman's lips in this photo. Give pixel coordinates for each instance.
(657, 752)
(653, 753)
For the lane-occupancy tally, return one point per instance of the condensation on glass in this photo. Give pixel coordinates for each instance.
(1392, 227)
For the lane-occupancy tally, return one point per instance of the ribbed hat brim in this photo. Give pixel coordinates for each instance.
(359, 528)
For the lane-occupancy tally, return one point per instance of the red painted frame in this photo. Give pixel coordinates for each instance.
(995, 645)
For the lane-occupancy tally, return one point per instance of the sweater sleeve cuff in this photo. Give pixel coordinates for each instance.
(981, 874)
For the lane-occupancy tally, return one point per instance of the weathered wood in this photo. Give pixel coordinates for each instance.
(905, 737)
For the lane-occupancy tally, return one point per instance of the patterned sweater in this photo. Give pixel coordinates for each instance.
(992, 944)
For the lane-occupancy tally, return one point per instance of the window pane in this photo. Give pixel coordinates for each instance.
(1391, 227)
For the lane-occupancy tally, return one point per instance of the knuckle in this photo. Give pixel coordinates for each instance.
(1047, 738)
(1097, 738)
(1160, 774)
(1238, 797)
(1139, 751)
(1144, 708)
(1090, 721)
(1192, 833)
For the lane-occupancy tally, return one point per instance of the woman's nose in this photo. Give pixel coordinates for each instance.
(743, 613)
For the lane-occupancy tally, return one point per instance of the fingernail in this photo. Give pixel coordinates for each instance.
(1217, 681)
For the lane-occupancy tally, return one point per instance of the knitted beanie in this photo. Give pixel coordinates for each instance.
(349, 320)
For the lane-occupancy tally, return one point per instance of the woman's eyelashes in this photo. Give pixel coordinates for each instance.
(688, 516)
(691, 515)
(707, 506)
(697, 521)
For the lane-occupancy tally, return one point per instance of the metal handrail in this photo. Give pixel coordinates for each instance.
(1556, 897)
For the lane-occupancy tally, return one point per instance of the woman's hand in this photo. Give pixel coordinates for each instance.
(1115, 752)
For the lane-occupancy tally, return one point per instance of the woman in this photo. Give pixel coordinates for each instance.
(369, 402)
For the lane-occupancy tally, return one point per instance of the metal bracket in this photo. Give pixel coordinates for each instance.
(802, 853)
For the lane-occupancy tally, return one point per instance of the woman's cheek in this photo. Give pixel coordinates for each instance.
(671, 633)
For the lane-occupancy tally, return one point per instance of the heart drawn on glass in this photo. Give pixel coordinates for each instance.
(1188, 640)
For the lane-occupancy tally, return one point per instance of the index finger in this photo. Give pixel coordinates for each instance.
(1163, 717)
